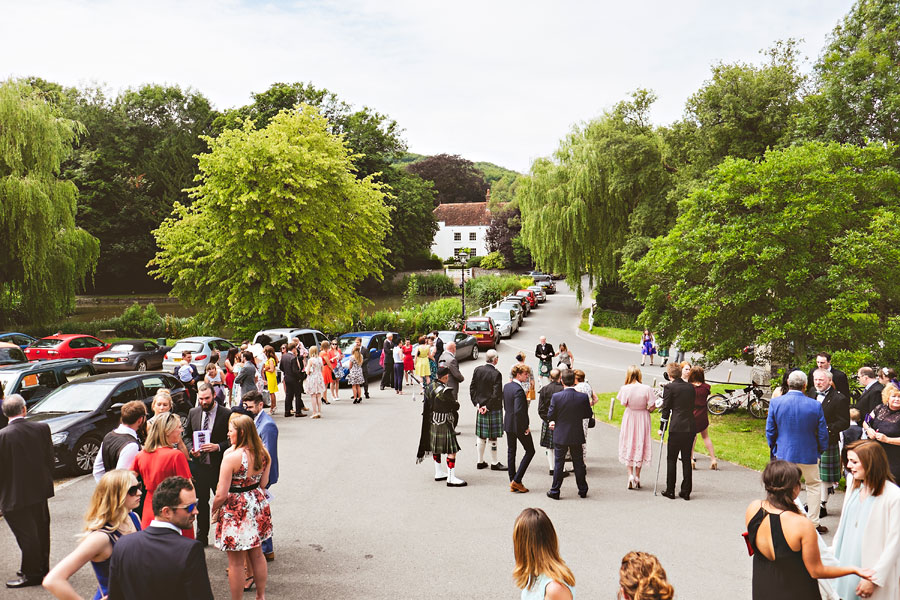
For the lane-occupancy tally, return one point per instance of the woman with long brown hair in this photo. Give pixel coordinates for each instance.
(241, 508)
(641, 577)
(540, 572)
(697, 378)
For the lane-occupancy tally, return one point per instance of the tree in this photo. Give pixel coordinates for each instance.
(577, 209)
(857, 96)
(413, 224)
(292, 183)
(45, 256)
(455, 178)
(796, 252)
(504, 236)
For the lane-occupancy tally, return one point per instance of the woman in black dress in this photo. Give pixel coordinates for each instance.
(784, 543)
(883, 426)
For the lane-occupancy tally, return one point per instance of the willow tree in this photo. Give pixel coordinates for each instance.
(45, 256)
(280, 228)
(604, 187)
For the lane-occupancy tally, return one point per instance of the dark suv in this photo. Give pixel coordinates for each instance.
(35, 380)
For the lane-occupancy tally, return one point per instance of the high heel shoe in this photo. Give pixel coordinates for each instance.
(630, 482)
(637, 483)
(714, 465)
(694, 464)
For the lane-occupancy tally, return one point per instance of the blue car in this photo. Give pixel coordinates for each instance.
(372, 343)
(14, 337)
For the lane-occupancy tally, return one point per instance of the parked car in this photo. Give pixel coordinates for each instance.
(131, 355)
(11, 354)
(504, 320)
(483, 330)
(372, 343)
(201, 348)
(523, 302)
(80, 413)
(34, 380)
(22, 340)
(277, 337)
(547, 285)
(466, 345)
(539, 292)
(516, 306)
(532, 298)
(65, 345)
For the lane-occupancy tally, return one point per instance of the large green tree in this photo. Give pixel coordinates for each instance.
(46, 256)
(413, 225)
(455, 178)
(280, 228)
(795, 252)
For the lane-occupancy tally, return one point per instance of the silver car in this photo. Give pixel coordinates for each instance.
(505, 320)
(201, 348)
(515, 307)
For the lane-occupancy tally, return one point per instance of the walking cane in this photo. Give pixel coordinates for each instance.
(664, 424)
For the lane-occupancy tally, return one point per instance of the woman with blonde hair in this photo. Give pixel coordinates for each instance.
(315, 384)
(161, 458)
(635, 443)
(162, 403)
(355, 376)
(109, 517)
(241, 509)
(540, 572)
(270, 368)
(641, 577)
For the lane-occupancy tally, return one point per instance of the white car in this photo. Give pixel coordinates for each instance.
(505, 320)
(201, 348)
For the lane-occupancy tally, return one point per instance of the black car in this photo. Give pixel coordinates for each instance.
(131, 355)
(523, 302)
(466, 345)
(82, 412)
(34, 380)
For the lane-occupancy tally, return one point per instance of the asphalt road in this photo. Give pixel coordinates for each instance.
(355, 517)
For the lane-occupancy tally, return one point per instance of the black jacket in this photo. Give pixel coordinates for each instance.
(839, 378)
(290, 367)
(836, 407)
(486, 388)
(515, 403)
(870, 399)
(26, 464)
(219, 434)
(544, 349)
(158, 563)
(545, 395)
(568, 410)
(678, 401)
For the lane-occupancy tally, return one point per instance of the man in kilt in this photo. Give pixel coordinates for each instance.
(438, 434)
(836, 407)
(544, 353)
(486, 393)
(544, 397)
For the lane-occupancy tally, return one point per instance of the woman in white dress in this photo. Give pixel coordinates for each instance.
(315, 382)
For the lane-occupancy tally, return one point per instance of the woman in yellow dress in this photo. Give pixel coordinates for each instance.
(271, 377)
(422, 366)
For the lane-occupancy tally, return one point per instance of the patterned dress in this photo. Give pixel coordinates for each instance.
(315, 382)
(355, 376)
(246, 519)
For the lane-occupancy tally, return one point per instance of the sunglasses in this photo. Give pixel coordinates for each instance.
(134, 490)
(190, 507)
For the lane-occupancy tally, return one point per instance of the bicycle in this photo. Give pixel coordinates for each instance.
(751, 398)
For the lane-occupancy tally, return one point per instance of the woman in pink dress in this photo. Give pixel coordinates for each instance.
(409, 363)
(635, 443)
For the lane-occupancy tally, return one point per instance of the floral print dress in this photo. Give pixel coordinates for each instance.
(246, 518)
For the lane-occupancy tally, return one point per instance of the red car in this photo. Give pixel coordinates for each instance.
(483, 330)
(69, 345)
(532, 298)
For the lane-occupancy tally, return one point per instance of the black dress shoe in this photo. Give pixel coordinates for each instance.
(553, 496)
(24, 581)
(482, 465)
(823, 512)
(683, 495)
(582, 494)
(820, 529)
(499, 467)
(367, 395)
(289, 414)
(299, 414)
(669, 495)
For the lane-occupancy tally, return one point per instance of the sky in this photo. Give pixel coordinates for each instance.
(498, 81)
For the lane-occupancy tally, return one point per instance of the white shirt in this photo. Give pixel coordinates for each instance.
(14, 418)
(126, 454)
(164, 525)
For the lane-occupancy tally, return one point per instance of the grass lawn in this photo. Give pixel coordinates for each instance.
(630, 336)
(736, 436)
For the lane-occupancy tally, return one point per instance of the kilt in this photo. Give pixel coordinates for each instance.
(830, 465)
(489, 425)
(546, 435)
(443, 438)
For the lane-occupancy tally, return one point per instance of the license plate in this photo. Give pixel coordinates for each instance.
(107, 360)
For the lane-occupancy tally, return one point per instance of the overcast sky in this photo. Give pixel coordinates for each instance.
(500, 81)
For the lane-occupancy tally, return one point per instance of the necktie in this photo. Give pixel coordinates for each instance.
(206, 427)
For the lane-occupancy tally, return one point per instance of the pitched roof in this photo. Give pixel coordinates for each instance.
(463, 214)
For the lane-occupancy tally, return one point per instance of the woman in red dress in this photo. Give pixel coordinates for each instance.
(160, 459)
(325, 355)
(409, 363)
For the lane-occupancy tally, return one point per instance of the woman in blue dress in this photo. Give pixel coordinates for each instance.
(110, 516)
(647, 347)
(540, 572)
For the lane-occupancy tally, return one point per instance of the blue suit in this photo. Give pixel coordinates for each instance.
(796, 429)
(268, 432)
(568, 410)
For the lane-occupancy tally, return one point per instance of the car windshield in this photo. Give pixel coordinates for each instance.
(46, 343)
(477, 326)
(511, 305)
(192, 347)
(11, 356)
(122, 348)
(346, 343)
(77, 397)
(499, 315)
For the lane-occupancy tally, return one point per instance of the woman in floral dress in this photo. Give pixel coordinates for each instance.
(355, 377)
(241, 509)
(315, 381)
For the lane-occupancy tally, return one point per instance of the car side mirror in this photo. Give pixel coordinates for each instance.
(115, 408)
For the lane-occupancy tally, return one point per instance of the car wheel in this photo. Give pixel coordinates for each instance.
(84, 454)
(142, 366)
(475, 352)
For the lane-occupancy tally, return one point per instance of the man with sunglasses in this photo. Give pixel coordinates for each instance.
(159, 562)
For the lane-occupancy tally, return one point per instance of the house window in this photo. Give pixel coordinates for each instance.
(457, 237)
(473, 236)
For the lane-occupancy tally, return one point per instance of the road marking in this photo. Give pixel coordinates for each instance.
(70, 482)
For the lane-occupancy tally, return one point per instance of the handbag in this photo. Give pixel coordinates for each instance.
(381, 359)
(592, 422)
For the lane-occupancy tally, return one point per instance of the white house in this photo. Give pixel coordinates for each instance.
(462, 225)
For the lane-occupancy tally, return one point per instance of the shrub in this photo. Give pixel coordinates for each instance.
(612, 318)
(494, 260)
(475, 261)
(415, 320)
(484, 290)
(433, 284)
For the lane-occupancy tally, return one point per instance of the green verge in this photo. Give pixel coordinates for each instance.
(736, 437)
(629, 336)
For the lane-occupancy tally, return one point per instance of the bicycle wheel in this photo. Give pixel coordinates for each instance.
(717, 404)
(759, 408)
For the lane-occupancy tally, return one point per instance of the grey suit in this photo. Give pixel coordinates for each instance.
(247, 378)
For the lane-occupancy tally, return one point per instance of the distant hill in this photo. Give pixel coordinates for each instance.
(492, 173)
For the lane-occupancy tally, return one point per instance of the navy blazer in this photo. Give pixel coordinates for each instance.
(568, 410)
(26, 464)
(158, 563)
(515, 406)
(796, 429)
(268, 432)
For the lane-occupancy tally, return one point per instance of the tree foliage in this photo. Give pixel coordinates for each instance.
(413, 224)
(455, 178)
(292, 183)
(796, 251)
(46, 256)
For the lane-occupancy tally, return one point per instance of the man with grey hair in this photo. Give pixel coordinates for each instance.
(486, 393)
(796, 432)
(836, 407)
(26, 482)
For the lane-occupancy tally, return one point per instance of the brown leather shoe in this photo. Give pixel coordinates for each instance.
(270, 556)
(517, 487)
